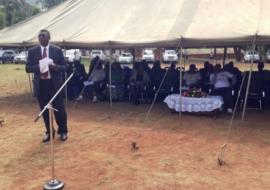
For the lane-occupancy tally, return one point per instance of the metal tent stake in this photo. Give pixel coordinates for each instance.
(53, 184)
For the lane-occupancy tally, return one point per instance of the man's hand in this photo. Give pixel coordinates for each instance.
(53, 67)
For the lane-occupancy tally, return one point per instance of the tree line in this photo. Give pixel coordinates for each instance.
(14, 11)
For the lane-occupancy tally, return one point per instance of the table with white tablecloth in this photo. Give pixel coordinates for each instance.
(194, 104)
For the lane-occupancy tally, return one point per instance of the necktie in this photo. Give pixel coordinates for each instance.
(44, 53)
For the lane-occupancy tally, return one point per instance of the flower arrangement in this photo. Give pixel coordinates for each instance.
(194, 92)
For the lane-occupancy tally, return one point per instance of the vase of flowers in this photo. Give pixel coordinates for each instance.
(194, 93)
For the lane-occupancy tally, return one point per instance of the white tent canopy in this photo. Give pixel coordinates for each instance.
(145, 23)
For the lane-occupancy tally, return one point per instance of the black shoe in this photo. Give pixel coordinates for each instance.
(47, 137)
(63, 137)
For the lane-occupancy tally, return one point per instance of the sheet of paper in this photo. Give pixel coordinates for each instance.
(44, 64)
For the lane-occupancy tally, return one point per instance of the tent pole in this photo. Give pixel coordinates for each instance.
(156, 94)
(30, 84)
(249, 76)
(161, 83)
(185, 59)
(65, 78)
(224, 56)
(110, 77)
(224, 146)
(29, 77)
(180, 79)
(215, 55)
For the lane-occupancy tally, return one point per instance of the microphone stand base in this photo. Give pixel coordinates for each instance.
(54, 185)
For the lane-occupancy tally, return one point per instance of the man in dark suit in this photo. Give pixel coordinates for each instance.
(46, 84)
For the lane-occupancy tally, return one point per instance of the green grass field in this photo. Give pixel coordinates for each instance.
(13, 80)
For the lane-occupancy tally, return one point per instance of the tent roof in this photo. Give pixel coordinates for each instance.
(146, 23)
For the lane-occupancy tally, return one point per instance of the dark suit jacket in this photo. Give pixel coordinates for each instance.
(32, 66)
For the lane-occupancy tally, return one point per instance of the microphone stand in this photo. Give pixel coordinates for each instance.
(53, 184)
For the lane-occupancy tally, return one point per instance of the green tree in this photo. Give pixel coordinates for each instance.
(35, 11)
(1, 20)
(50, 3)
(10, 9)
(14, 11)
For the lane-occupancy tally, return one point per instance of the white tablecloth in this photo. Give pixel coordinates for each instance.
(189, 104)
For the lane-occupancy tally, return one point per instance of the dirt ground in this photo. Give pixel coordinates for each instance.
(173, 154)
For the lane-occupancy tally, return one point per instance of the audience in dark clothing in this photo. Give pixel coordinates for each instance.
(266, 74)
(93, 65)
(156, 74)
(206, 71)
(117, 82)
(141, 82)
(172, 78)
(236, 72)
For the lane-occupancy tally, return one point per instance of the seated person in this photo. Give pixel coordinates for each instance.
(93, 64)
(156, 75)
(117, 82)
(238, 76)
(265, 75)
(117, 74)
(172, 78)
(192, 78)
(94, 82)
(205, 74)
(76, 83)
(222, 82)
(126, 77)
(138, 81)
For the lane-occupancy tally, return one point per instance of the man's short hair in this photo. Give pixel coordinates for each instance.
(45, 31)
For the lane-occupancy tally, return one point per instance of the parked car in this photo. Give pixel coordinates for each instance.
(267, 56)
(72, 55)
(21, 57)
(7, 56)
(169, 56)
(97, 53)
(148, 55)
(248, 56)
(125, 57)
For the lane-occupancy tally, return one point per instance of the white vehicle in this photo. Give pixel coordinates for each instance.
(148, 55)
(72, 55)
(7, 56)
(267, 56)
(125, 57)
(248, 56)
(169, 55)
(21, 57)
(97, 53)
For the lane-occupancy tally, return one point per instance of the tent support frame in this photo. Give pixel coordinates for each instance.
(162, 81)
(180, 80)
(224, 146)
(249, 76)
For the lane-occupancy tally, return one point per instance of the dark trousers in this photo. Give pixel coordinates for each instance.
(74, 90)
(226, 94)
(138, 90)
(46, 92)
(94, 89)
